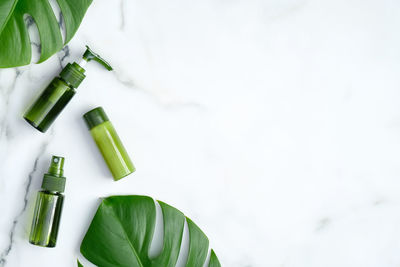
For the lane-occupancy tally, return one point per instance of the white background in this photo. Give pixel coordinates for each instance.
(273, 124)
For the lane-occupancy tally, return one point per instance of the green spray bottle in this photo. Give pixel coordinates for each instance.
(59, 92)
(49, 204)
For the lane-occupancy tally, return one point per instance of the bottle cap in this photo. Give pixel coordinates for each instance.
(73, 74)
(95, 117)
(53, 180)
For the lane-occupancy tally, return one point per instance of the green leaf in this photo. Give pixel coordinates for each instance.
(214, 262)
(79, 264)
(15, 47)
(122, 230)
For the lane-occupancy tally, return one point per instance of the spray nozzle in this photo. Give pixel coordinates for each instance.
(53, 180)
(90, 55)
(57, 166)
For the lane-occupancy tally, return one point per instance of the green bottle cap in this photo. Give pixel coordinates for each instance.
(73, 74)
(53, 180)
(95, 117)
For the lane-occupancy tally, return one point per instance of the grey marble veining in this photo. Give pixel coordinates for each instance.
(32, 173)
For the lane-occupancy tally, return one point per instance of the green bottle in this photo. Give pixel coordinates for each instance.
(59, 92)
(109, 144)
(49, 203)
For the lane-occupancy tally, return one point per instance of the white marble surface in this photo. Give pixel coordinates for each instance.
(273, 124)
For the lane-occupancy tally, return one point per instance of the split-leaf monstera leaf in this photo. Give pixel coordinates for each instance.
(15, 47)
(122, 231)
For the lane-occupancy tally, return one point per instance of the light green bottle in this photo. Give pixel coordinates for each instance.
(109, 143)
(49, 203)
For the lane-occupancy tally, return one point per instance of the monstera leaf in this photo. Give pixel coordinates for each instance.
(15, 47)
(122, 231)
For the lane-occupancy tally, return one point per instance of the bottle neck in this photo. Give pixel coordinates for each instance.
(71, 86)
(50, 192)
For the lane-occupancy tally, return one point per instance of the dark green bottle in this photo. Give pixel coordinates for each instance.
(49, 203)
(59, 92)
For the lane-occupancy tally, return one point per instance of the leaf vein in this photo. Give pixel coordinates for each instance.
(126, 235)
